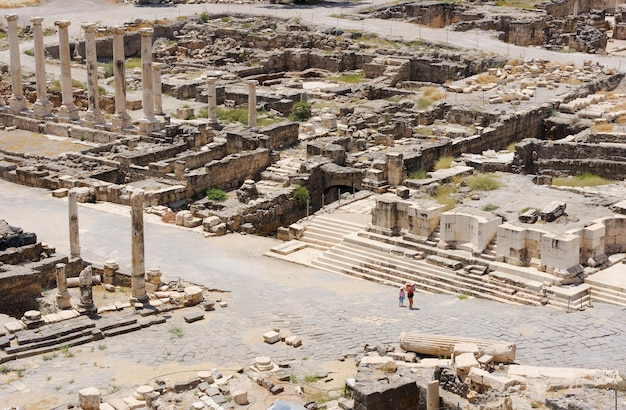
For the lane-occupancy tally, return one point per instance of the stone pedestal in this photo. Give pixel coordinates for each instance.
(17, 102)
(252, 103)
(89, 399)
(138, 280)
(110, 268)
(63, 296)
(73, 216)
(121, 119)
(93, 115)
(68, 110)
(212, 97)
(42, 107)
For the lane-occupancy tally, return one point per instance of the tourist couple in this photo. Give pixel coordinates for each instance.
(408, 290)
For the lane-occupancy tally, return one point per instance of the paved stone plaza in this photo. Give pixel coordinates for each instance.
(335, 315)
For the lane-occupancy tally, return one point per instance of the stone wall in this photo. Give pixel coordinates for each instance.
(228, 172)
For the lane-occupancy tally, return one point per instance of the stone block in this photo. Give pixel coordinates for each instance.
(209, 222)
(119, 404)
(133, 403)
(271, 337)
(206, 376)
(60, 193)
(193, 295)
(464, 362)
(106, 406)
(483, 378)
(240, 397)
(14, 326)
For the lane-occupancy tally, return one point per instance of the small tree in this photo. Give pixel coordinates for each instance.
(301, 195)
(301, 111)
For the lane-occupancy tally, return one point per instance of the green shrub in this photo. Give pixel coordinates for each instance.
(582, 180)
(176, 331)
(490, 207)
(301, 195)
(443, 163)
(301, 111)
(29, 52)
(204, 16)
(484, 182)
(215, 194)
(132, 63)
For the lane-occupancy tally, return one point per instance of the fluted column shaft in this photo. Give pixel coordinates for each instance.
(67, 110)
(138, 279)
(93, 114)
(17, 102)
(121, 119)
(157, 87)
(42, 107)
(146, 72)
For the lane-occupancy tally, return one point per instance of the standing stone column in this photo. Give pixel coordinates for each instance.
(138, 278)
(42, 107)
(17, 102)
(68, 110)
(93, 115)
(252, 103)
(148, 122)
(73, 214)
(156, 84)
(121, 119)
(212, 96)
(63, 296)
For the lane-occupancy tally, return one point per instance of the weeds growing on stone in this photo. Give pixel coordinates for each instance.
(484, 182)
(419, 174)
(176, 331)
(215, 194)
(583, 180)
(443, 163)
(490, 207)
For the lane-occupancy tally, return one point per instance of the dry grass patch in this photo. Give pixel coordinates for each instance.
(433, 93)
(621, 120)
(602, 127)
(443, 163)
(583, 180)
(486, 79)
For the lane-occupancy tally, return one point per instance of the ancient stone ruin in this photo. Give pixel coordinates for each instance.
(330, 140)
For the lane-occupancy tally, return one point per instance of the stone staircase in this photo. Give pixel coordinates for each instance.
(326, 231)
(490, 251)
(384, 263)
(281, 170)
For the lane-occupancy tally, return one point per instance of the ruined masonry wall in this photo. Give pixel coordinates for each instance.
(228, 172)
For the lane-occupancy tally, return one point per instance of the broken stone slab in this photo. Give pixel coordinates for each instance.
(118, 404)
(442, 346)
(464, 362)
(403, 356)
(567, 377)
(206, 376)
(14, 326)
(193, 317)
(271, 337)
(240, 397)
(461, 348)
(483, 379)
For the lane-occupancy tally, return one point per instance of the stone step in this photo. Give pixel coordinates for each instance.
(122, 329)
(455, 283)
(112, 323)
(319, 239)
(327, 231)
(607, 294)
(289, 247)
(347, 270)
(52, 332)
(73, 339)
(327, 220)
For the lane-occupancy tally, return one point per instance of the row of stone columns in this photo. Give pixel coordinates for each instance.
(151, 76)
(212, 100)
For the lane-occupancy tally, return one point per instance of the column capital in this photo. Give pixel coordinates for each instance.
(11, 17)
(118, 30)
(89, 27)
(157, 66)
(252, 83)
(211, 80)
(146, 31)
(36, 20)
(62, 23)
